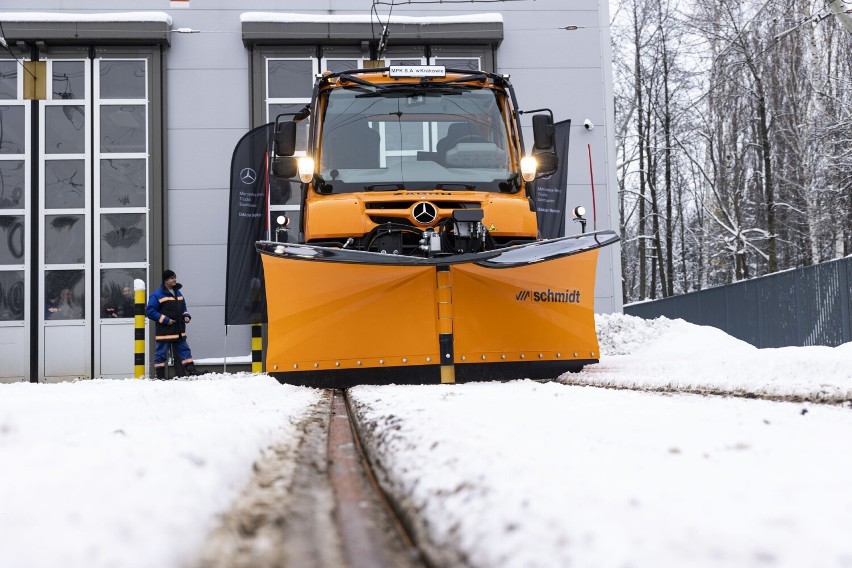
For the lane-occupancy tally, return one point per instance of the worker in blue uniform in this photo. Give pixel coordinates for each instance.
(167, 308)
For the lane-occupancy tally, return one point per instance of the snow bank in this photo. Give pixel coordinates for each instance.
(620, 334)
(664, 354)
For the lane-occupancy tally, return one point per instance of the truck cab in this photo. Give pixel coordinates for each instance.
(415, 161)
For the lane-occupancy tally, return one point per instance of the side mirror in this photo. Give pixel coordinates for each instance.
(543, 133)
(548, 163)
(284, 167)
(284, 138)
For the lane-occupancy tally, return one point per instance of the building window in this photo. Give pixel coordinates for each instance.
(466, 63)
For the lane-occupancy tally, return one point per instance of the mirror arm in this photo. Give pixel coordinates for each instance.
(547, 110)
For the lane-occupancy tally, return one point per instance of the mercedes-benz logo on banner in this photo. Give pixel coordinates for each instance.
(424, 213)
(248, 176)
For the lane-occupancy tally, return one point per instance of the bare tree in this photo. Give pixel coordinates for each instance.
(754, 173)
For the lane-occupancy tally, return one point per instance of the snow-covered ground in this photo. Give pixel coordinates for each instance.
(530, 474)
(130, 473)
(134, 473)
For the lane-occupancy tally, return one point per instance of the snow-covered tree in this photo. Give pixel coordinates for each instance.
(734, 126)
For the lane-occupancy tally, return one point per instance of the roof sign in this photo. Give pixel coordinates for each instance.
(418, 71)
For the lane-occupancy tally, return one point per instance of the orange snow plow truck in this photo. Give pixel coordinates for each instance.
(418, 258)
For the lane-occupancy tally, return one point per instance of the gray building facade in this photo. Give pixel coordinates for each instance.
(119, 120)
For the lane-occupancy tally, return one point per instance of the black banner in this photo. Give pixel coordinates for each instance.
(550, 192)
(245, 298)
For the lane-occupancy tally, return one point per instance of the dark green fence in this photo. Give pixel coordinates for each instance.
(806, 306)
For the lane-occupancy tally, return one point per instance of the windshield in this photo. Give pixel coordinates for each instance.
(415, 138)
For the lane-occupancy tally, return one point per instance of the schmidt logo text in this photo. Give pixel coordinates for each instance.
(559, 297)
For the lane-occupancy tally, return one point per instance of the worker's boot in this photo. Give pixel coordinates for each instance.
(191, 370)
(161, 373)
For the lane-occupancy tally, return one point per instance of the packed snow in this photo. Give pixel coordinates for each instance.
(137, 472)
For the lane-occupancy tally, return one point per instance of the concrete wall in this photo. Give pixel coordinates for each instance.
(207, 110)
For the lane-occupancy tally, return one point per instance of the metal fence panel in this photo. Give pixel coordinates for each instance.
(712, 308)
(779, 326)
(846, 298)
(742, 309)
(820, 317)
(686, 308)
(806, 306)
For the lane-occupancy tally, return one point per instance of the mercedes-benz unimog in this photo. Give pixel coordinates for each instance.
(418, 257)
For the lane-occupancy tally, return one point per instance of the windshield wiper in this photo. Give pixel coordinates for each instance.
(360, 81)
(398, 186)
(407, 90)
(465, 79)
(454, 185)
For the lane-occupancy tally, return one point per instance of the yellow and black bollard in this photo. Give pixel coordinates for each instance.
(445, 324)
(139, 329)
(256, 348)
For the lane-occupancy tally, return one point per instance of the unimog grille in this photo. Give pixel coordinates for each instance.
(399, 212)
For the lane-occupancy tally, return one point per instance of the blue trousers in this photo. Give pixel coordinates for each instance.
(182, 353)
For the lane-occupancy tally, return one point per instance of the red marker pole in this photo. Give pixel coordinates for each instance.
(592, 178)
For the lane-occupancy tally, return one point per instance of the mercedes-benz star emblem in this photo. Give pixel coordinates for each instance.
(424, 213)
(248, 176)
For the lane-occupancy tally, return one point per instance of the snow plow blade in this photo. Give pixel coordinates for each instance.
(353, 317)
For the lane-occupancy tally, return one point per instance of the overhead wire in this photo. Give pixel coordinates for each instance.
(5, 44)
(373, 12)
(385, 31)
(383, 39)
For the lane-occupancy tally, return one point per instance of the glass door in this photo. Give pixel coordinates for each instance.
(93, 213)
(121, 179)
(15, 222)
(65, 229)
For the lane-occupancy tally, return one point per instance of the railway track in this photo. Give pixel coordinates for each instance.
(313, 503)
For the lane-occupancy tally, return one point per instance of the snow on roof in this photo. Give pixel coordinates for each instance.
(93, 17)
(291, 18)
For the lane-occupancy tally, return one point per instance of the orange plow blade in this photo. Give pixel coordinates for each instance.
(338, 317)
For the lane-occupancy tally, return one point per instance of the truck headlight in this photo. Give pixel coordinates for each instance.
(528, 168)
(306, 169)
